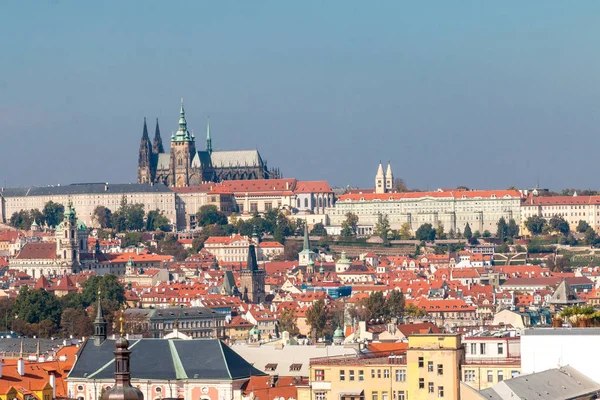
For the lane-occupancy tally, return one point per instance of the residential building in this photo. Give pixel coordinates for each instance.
(429, 369)
(490, 358)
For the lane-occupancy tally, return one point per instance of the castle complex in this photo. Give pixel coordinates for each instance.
(186, 166)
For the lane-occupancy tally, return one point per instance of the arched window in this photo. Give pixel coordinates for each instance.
(306, 203)
(72, 233)
(179, 162)
(298, 203)
(320, 202)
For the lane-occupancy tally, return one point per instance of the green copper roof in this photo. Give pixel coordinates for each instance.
(338, 333)
(182, 134)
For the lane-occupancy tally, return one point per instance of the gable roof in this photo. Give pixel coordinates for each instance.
(38, 251)
(226, 159)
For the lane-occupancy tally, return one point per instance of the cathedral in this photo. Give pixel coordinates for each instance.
(187, 166)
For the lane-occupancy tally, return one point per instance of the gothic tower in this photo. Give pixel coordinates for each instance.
(145, 158)
(389, 178)
(157, 144)
(380, 180)
(183, 148)
(253, 279)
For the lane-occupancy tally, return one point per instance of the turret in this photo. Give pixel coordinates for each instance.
(380, 180)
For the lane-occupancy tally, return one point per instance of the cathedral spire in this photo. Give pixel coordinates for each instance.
(208, 138)
(157, 145)
(145, 132)
(182, 134)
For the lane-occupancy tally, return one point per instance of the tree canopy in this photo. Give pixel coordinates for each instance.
(425, 232)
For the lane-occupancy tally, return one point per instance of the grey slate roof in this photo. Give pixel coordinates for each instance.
(226, 159)
(553, 384)
(13, 345)
(164, 161)
(84, 188)
(202, 359)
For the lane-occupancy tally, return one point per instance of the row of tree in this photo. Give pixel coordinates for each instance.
(51, 215)
(131, 217)
(37, 312)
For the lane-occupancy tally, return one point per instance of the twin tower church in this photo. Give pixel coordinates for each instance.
(185, 165)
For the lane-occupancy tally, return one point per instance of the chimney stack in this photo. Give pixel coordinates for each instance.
(53, 384)
(21, 366)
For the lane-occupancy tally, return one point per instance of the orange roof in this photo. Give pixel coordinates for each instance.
(136, 258)
(398, 347)
(561, 200)
(416, 195)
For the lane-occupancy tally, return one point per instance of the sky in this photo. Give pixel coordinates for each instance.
(486, 94)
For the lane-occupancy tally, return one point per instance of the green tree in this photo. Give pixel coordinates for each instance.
(318, 230)
(405, 231)
(37, 216)
(316, 317)
(502, 229)
(131, 239)
(400, 185)
(425, 233)
(287, 322)
(112, 292)
(590, 236)
(157, 221)
(34, 306)
(209, 215)
(467, 233)
(53, 213)
(74, 321)
(535, 224)
(135, 217)
(395, 304)
(512, 229)
(414, 311)
(171, 246)
(487, 234)
(21, 220)
(382, 227)
(375, 306)
(439, 231)
(102, 215)
(582, 226)
(350, 225)
(558, 224)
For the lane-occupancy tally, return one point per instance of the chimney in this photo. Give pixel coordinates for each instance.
(21, 366)
(53, 384)
(106, 187)
(273, 380)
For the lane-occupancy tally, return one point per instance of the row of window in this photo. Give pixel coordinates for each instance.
(470, 375)
(483, 348)
(400, 374)
(440, 367)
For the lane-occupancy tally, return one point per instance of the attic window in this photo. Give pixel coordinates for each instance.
(295, 367)
(270, 367)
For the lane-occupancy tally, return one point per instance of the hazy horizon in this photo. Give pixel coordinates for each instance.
(482, 94)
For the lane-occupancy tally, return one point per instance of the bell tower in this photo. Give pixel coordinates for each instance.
(183, 149)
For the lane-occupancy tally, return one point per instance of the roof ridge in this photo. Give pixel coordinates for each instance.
(179, 369)
(225, 359)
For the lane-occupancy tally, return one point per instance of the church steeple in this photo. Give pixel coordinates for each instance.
(182, 134)
(157, 145)
(306, 239)
(208, 138)
(99, 323)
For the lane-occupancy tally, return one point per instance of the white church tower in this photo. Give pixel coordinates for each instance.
(380, 180)
(389, 178)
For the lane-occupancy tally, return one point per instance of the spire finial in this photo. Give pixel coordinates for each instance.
(121, 323)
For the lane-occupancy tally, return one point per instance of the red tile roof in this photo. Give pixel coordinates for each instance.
(415, 195)
(38, 251)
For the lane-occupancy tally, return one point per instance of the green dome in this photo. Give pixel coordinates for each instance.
(254, 330)
(338, 333)
(80, 226)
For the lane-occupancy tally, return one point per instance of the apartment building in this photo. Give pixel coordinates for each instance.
(429, 369)
(490, 358)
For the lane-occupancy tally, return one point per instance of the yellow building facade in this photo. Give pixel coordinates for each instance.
(430, 369)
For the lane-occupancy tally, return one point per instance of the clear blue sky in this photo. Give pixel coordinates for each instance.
(479, 93)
